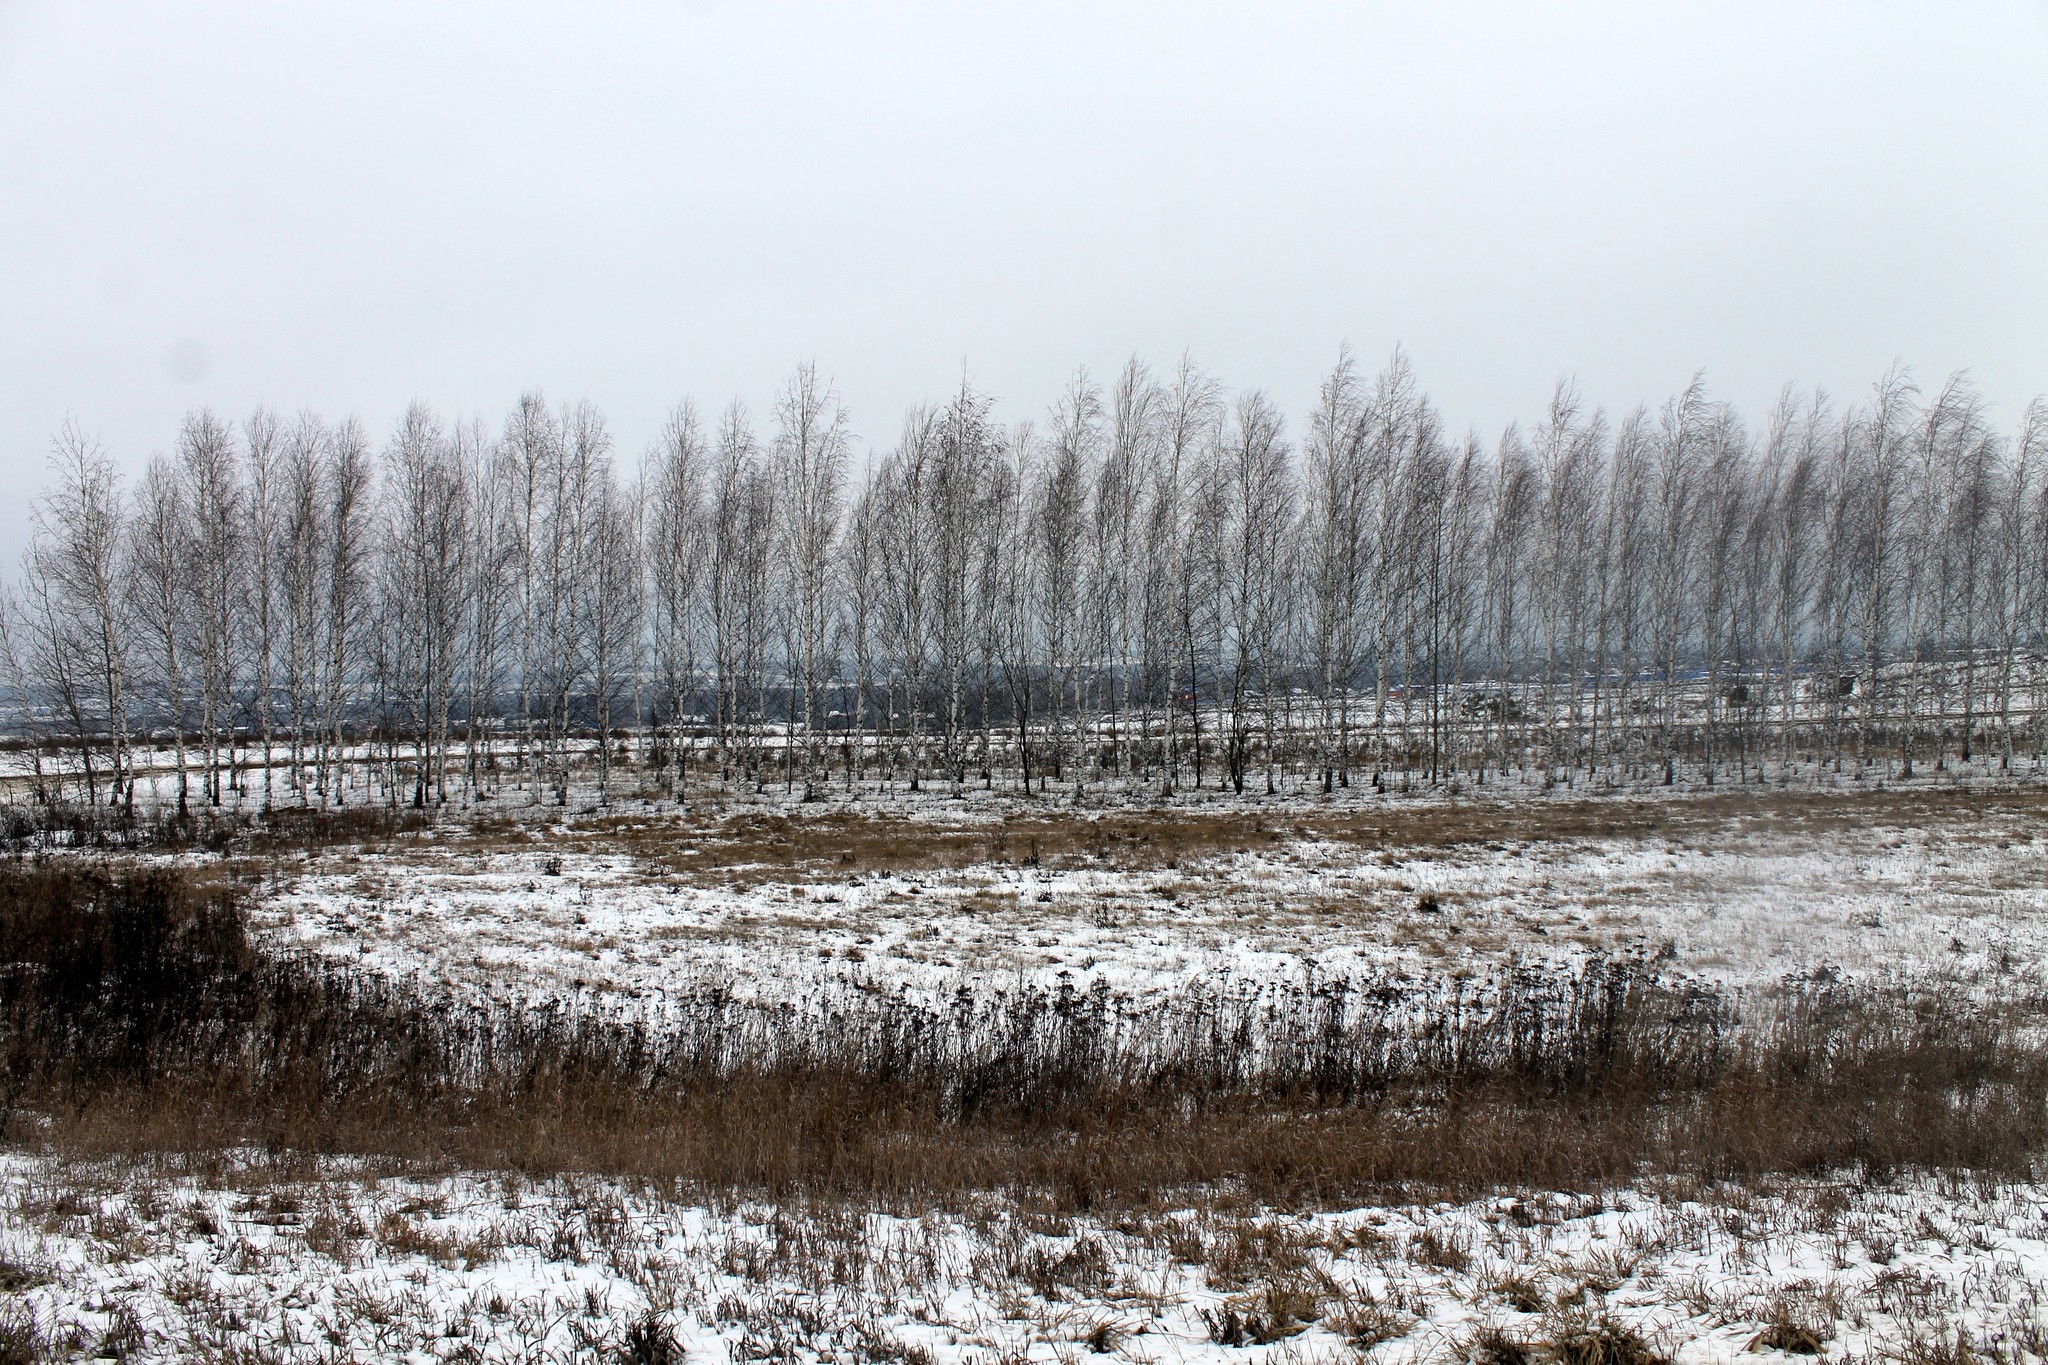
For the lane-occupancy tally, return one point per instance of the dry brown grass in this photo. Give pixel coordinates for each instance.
(745, 843)
(138, 1016)
(742, 846)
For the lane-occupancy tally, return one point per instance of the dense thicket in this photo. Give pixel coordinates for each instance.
(1157, 585)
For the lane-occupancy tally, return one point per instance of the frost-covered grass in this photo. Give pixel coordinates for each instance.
(238, 1257)
(1936, 888)
(928, 894)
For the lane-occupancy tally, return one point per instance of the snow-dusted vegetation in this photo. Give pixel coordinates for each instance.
(238, 1257)
(929, 893)
(1139, 887)
(1666, 1073)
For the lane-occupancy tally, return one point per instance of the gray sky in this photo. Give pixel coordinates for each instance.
(346, 207)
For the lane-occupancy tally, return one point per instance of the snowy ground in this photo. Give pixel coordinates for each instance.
(928, 894)
(239, 1259)
(251, 1258)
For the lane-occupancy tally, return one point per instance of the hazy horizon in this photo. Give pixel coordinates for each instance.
(349, 209)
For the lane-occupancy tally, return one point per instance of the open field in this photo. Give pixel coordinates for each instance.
(1582, 1079)
(928, 894)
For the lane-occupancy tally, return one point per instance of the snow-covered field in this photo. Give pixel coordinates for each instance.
(249, 1257)
(930, 894)
(240, 1259)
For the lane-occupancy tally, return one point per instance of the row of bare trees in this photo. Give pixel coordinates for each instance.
(1157, 585)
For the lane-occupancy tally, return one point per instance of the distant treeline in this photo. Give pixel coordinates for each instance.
(1158, 584)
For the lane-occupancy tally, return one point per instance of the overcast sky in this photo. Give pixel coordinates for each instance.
(347, 207)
